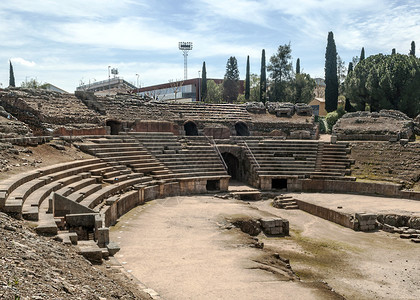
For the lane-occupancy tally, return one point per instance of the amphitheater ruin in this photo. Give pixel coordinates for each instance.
(218, 201)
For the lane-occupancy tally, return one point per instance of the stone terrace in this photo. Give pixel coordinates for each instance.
(42, 108)
(132, 109)
(277, 158)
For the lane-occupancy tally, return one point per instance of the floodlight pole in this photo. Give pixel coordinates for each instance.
(185, 64)
(137, 80)
(185, 47)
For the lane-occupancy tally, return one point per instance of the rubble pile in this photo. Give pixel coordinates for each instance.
(36, 267)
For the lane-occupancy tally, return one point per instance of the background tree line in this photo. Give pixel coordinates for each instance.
(283, 83)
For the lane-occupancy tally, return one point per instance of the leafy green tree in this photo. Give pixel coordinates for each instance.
(11, 75)
(298, 66)
(263, 79)
(413, 49)
(303, 87)
(247, 80)
(231, 80)
(214, 92)
(281, 72)
(204, 82)
(362, 54)
(331, 79)
(341, 69)
(386, 82)
(254, 93)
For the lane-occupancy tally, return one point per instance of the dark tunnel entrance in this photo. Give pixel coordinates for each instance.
(232, 163)
(190, 129)
(115, 126)
(241, 129)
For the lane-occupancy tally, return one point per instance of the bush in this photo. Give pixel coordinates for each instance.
(321, 124)
(331, 119)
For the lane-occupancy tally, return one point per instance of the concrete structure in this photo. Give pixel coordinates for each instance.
(182, 90)
(106, 85)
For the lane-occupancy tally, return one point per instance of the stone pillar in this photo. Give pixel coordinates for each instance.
(103, 237)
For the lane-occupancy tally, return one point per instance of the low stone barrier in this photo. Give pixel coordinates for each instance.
(353, 187)
(342, 219)
(27, 140)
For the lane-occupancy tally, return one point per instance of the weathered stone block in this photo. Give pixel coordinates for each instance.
(113, 248)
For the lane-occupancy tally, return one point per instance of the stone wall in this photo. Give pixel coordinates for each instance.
(155, 126)
(42, 109)
(389, 162)
(62, 131)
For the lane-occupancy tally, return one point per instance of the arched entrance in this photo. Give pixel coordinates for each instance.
(232, 163)
(190, 128)
(241, 129)
(115, 126)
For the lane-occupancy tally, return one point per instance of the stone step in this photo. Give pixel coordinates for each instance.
(291, 207)
(97, 151)
(115, 173)
(121, 153)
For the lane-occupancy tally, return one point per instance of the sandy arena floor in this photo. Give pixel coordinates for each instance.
(182, 248)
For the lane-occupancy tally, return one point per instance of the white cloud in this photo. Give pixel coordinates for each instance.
(72, 8)
(241, 10)
(23, 62)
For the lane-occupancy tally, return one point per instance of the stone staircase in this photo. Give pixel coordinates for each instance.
(186, 157)
(126, 151)
(285, 202)
(302, 159)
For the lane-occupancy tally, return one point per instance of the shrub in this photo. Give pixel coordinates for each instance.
(321, 124)
(331, 119)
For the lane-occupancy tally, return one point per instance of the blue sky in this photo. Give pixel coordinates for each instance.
(65, 42)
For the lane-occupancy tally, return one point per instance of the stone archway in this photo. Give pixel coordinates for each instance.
(241, 129)
(115, 126)
(190, 128)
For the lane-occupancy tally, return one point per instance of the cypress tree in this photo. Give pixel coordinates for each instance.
(11, 76)
(204, 82)
(263, 79)
(393, 51)
(362, 54)
(298, 66)
(413, 49)
(247, 80)
(231, 80)
(331, 79)
(350, 68)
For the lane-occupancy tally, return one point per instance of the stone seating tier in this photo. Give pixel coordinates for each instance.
(306, 159)
(26, 199)
(119, 108)
(129, 152)
(189, 157)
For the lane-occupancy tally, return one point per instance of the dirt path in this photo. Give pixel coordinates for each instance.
(180, 247)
